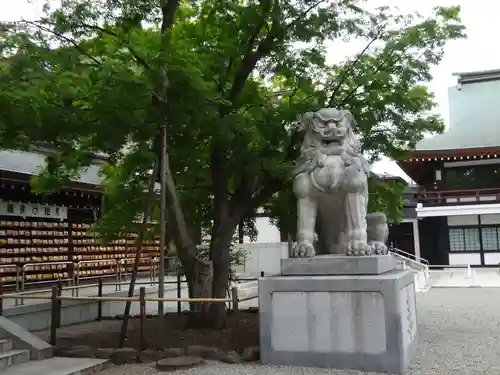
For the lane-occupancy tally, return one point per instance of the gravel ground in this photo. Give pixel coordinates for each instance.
(459, 332)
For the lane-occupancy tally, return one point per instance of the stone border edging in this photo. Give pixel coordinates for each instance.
(129, 355)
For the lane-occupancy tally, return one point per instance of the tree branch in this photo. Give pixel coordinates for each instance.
(244, 191)
(252, 57)
(379, 68)
(354, 63)
(132, 51)
(64, 38)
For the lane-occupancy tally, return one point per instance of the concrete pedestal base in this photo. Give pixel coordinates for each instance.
(365, 323)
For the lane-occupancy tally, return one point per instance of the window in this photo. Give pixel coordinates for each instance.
(464, 239)
(472, 241)
(457, 240)
(490, 238)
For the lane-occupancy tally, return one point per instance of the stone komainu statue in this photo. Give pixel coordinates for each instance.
(331, 185)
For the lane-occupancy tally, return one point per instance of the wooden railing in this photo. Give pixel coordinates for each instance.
(232, 300)
(433, 197)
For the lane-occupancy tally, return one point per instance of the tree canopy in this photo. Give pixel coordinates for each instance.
(92, 76)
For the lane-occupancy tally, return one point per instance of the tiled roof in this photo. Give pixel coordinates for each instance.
(31, 163)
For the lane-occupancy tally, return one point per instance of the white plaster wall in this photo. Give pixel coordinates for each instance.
(265, 253)
(492, 258)
(463, 220)
(267, 232)
(474, 259)
(490, 219)
(263, 257)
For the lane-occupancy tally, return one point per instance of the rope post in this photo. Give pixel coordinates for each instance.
(117, 275)
(59, 303)
(179, 294)
(99, 302)
(234, 298)
(53, 317)
(474, 280)
(142, 316)
(1, 299)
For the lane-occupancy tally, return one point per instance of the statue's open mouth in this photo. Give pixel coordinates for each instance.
(331, 142)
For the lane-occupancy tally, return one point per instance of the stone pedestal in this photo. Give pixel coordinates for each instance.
(360, 322)
(338, 265)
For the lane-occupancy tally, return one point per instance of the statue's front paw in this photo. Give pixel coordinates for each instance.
(303, 249)
(379, 248)
(359, 249)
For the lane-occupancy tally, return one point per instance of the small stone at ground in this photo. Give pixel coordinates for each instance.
(124, 355)
(205, 352)
(230, 357)
(173, 352)
(251, 354)
(77, 351)
(151, 355)
(104, 353)
(175, 363)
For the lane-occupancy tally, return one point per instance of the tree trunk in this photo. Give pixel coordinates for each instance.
(241, 231)
(283, 235)
(220, 247)
(198, 272)
(200, 286)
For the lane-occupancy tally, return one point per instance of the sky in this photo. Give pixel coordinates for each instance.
(477, 52)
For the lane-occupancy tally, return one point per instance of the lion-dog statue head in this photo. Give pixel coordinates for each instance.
(330, 131)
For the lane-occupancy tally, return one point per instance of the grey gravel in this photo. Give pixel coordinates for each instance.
(459, 332)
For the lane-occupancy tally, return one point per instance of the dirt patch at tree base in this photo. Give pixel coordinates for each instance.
(242, 331)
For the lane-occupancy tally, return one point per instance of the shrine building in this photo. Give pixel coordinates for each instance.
(456, 213)
(47, 238)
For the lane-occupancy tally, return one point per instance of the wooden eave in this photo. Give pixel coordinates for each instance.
(453, 155)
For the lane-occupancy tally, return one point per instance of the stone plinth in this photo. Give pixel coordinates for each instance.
(338, 265)
(365, 323)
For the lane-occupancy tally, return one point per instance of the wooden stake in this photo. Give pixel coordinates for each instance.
(53, 317)
(179, 293)
(163, 236)
(99, 302)
(137, 260)
(142, 316)
(234, 298)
